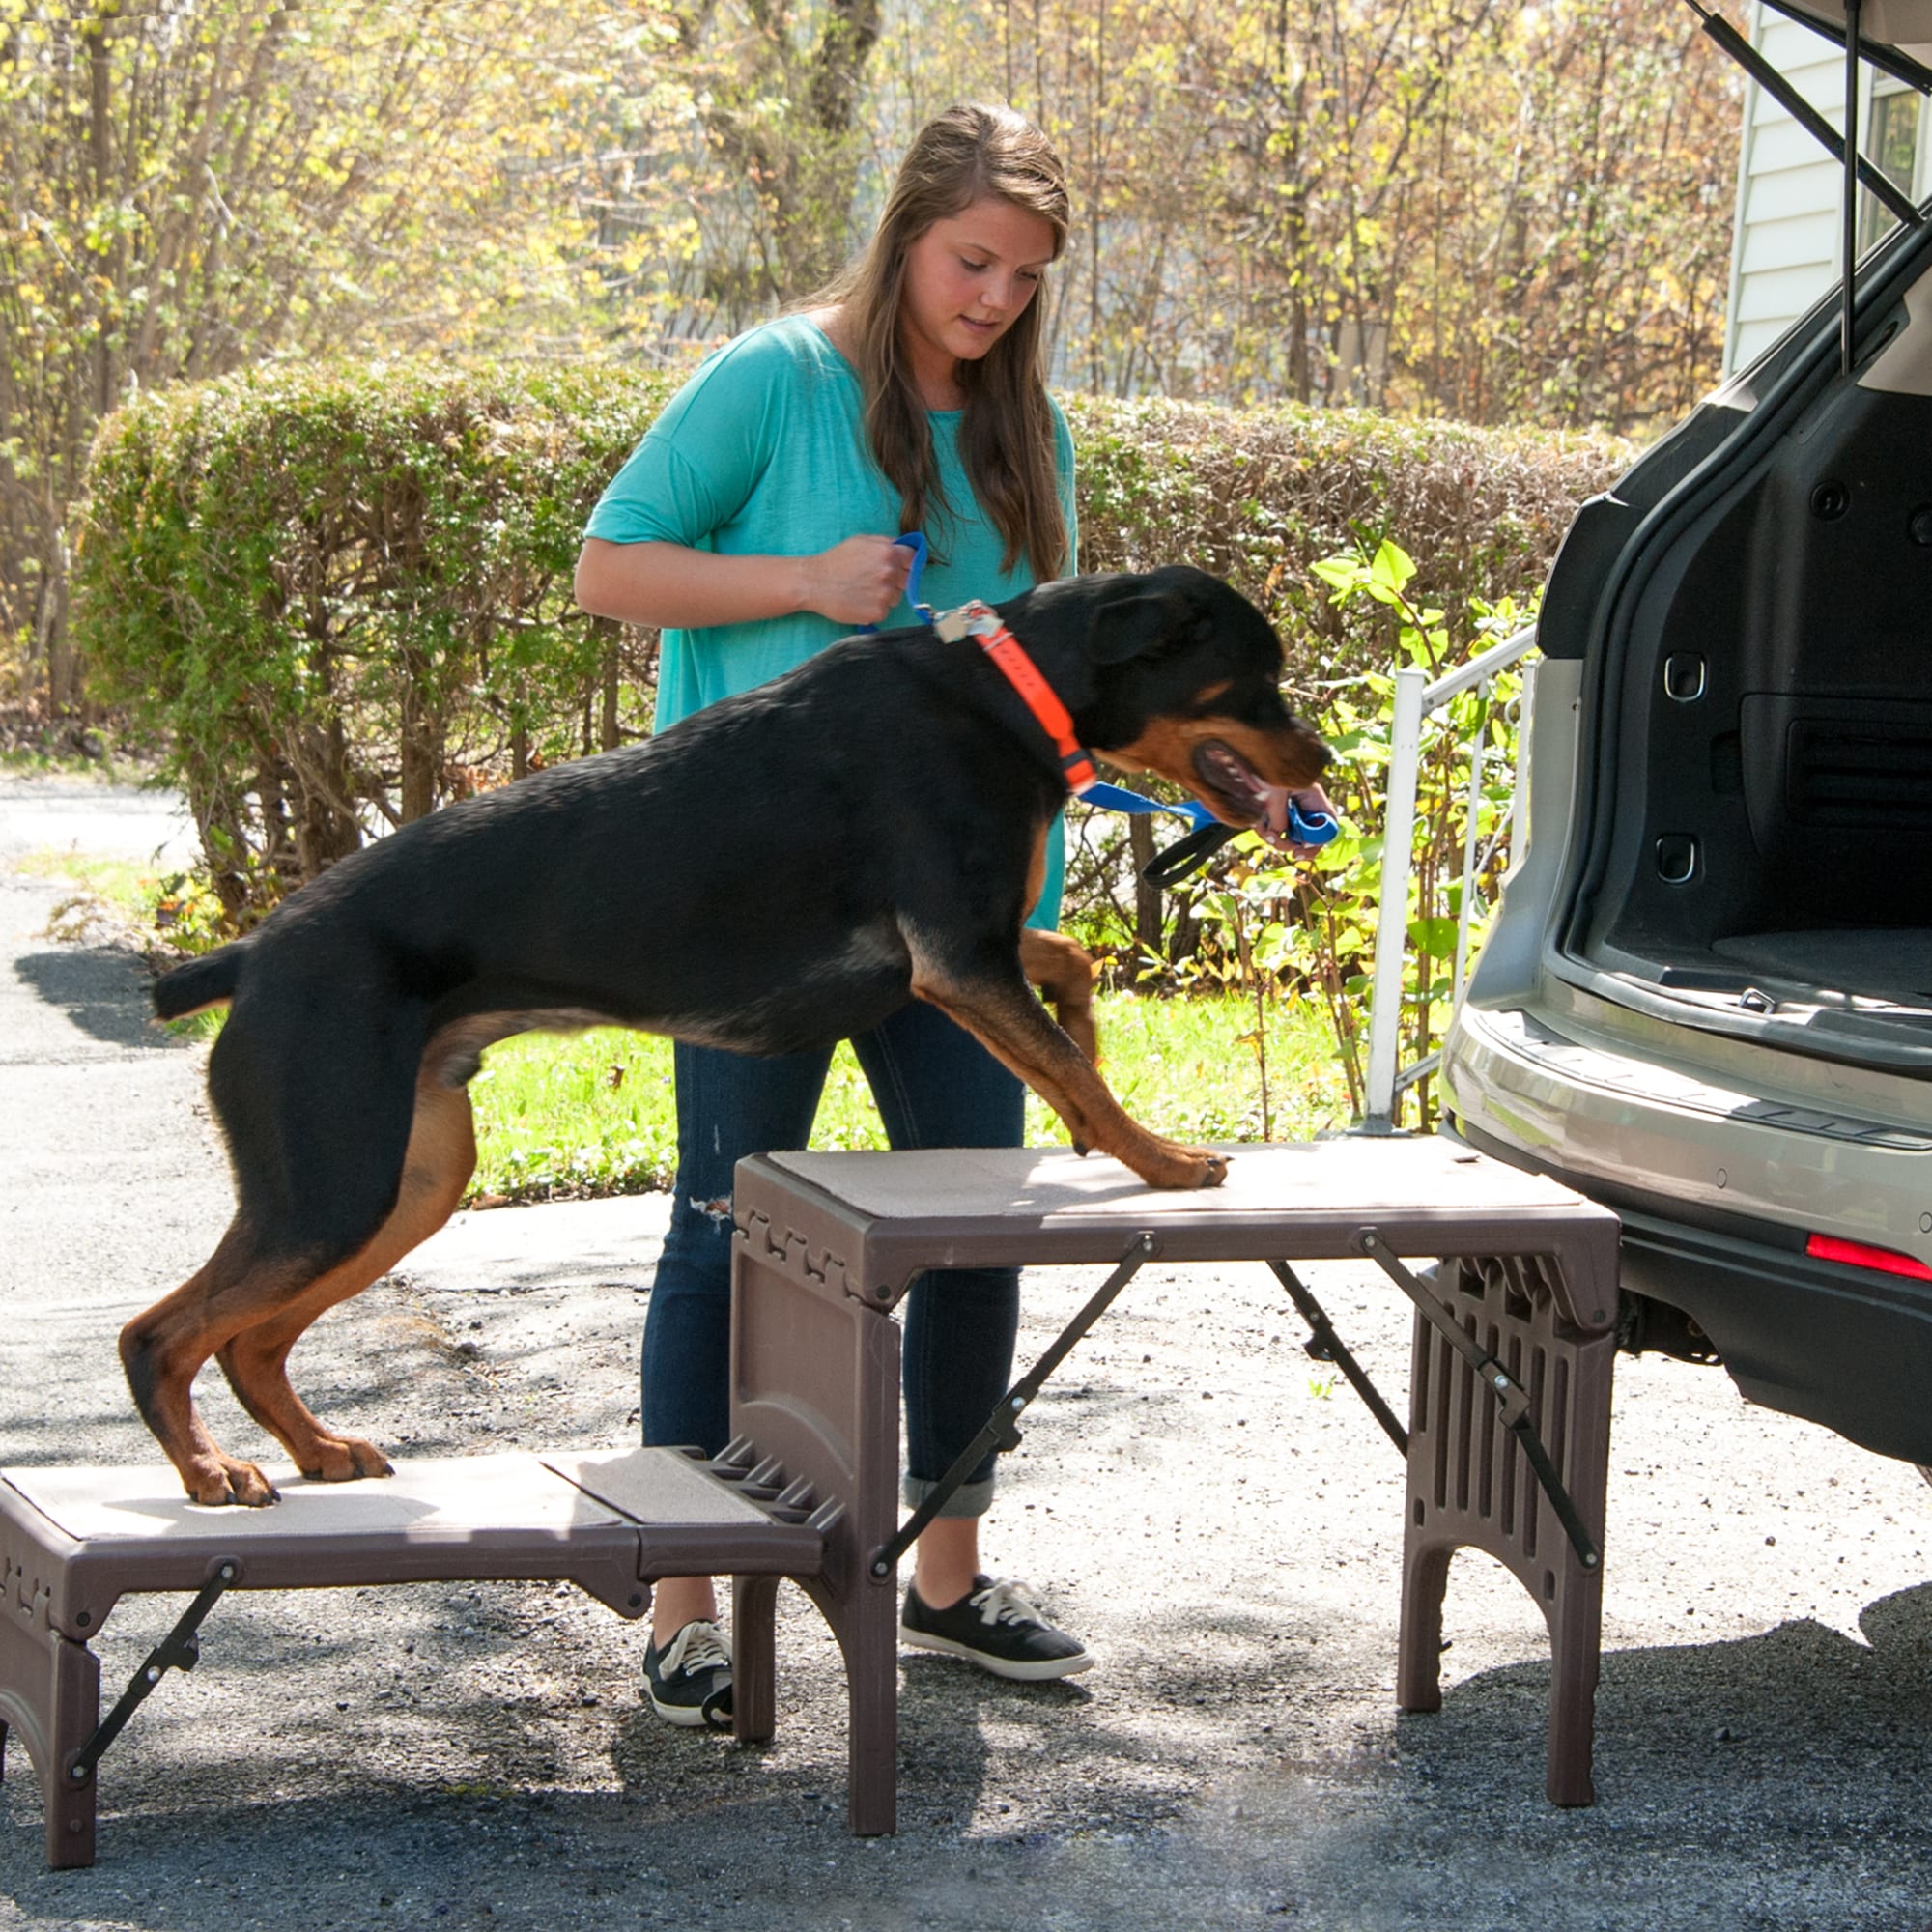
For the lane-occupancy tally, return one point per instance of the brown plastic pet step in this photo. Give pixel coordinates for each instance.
(1513, 1340)
(74, 1541)
(827, 1245)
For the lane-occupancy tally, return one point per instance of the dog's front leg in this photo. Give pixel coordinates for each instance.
(989, 997)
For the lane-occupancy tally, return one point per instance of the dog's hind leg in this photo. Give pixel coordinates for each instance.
(1063, 971)
(249, 1305)
(442, 1157)
(164, 1348)
(317, 1105)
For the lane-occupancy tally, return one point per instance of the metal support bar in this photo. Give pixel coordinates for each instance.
(1848, 197)
(1512, 1398)
(1472, 827)
(1881, 54)
(1002, 1428)
(1807, 117)
(1328, 1346)
(178, 1650)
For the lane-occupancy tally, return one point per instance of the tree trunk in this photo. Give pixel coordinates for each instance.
(422, 744)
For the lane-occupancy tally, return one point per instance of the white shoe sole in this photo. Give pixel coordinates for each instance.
(1042, 1671)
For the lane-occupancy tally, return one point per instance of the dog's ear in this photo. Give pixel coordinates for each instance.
(1130, 627)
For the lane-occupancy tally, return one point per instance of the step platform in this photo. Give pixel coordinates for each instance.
(74, 1541)
(1513, 1340)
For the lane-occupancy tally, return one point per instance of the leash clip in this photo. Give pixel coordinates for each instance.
(972, 619)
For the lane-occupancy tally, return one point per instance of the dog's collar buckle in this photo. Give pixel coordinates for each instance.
(981, 623)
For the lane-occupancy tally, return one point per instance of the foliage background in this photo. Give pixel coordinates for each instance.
(1444, 207)
(342, 595)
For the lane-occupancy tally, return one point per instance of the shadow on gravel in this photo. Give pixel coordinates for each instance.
(1783, 1708)
(1712, 1760)
(102, 991)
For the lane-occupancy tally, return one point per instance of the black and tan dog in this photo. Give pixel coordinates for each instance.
(783, 869)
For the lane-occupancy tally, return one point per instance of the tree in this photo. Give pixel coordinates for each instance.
(1440, 205)
(187, 185)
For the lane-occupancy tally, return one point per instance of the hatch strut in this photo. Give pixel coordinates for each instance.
(1847, 194)
(1844, 149)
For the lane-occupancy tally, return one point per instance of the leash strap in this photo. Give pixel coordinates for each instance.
(1187, 855)
(1206, 834)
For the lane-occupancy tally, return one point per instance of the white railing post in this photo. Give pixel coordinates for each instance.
(1392, 912)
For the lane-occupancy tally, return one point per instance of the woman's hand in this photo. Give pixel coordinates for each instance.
(859, 581)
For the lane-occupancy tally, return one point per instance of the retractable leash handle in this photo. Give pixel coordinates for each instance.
(1208, 834)
(913, 541)
(1312, 828)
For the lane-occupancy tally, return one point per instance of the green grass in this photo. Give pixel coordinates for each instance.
(109, 763)
(559, 1116)
(126, 885)
(593, 1113)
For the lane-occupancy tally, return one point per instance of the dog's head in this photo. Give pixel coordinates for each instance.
(1178, 674)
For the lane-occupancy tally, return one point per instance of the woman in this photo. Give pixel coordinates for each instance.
(756, 523)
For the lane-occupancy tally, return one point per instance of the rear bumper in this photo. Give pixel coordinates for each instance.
(1845, 1346)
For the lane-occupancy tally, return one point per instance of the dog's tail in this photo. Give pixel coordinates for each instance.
(200, 983)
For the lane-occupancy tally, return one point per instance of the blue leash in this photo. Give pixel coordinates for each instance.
(1309, 827)
(1206, 834)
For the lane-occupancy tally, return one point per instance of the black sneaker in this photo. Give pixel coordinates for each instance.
(689, 1681)
(999, 1628)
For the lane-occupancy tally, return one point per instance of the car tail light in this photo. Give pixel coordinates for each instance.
(1857, 1254)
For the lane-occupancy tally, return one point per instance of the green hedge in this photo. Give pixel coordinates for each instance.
(1258, 495)
(343, 594)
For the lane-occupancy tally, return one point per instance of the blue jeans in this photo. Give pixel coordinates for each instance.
(935, 1086)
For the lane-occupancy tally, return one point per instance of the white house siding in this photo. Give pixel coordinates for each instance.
(1786, 250)
(1786, 253)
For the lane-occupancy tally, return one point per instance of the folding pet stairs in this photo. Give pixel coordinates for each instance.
(1506, 1446)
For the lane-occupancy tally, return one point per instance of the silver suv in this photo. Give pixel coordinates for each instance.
(1707, 998)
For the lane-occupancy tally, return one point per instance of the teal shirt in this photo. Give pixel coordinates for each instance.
(763, 453)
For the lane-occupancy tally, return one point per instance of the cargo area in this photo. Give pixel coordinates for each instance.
(1770, 840)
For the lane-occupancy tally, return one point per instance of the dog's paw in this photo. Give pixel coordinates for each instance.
(226, 1480)
(1207, 1168)
(1169, 1164)
(343, 1458)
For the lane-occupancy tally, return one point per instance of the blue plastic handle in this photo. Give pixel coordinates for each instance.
(913, 541)
(1311, 828)
(1304, 828)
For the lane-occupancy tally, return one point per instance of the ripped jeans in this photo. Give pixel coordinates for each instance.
(936, 1086)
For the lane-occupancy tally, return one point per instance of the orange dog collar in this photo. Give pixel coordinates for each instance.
(980, 622)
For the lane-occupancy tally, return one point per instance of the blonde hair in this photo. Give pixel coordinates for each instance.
(1006, 441)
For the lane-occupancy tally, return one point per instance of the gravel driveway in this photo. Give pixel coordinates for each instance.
(1194, 1496)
